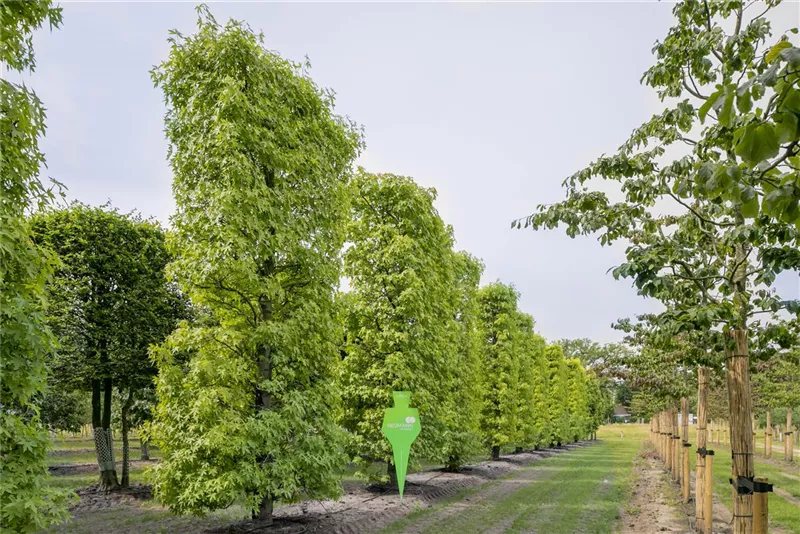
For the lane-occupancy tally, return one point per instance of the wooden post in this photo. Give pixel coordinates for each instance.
(684, 449)
(788, 441)
(760, 507)
(768, 435)
(685, 472)
(668, 440)
(708, 498)
(676, 447)
(740, 406)
(702, 442)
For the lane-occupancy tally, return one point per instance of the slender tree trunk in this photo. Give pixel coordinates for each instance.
(702, 442)
(125, 448)
(788, 436)
(741, 439)
(264, 398)
(768, 435)
(495, 452)
(144, 450)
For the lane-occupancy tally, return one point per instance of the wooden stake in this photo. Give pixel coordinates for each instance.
(787, 436)
(742, 446)
(768, 436)
(708, 499)
(702, 441)
(685, 472)
(760, 510)
(676, 447)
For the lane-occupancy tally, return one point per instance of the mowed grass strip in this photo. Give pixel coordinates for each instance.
(578, 491)
(781, 511)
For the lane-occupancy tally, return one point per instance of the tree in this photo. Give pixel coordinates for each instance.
(63, 410)
(402, 316)
(463, 434)
(29, 503)
(578, 402)
(532, 397)
(558, 396)
(499, 331)
(733, 187)
(108, 302)
(261, 164)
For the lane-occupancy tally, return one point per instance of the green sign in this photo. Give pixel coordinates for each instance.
(401, 427)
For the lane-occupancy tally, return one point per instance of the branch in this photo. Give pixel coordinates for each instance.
(709, 221)
(786, 155)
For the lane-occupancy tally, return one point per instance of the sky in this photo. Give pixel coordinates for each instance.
(491, 104)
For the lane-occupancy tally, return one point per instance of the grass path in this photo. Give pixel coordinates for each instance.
(579, 492)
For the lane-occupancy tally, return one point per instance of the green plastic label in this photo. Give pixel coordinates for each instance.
(401, 427)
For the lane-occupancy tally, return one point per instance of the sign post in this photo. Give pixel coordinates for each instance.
(401, 427)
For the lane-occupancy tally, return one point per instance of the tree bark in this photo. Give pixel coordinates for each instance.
(788, 437)
(125, 446)
(144, 450)
(263, 397)
(702, 442)
(741, 438)
(768, 435)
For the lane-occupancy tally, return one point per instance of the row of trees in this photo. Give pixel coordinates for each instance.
(706, 199)
(268, 377)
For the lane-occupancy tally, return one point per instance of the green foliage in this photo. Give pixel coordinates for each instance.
(559, 409)
(63, 410)
(532, 409)
(261, 163)
(578, 400)
(28, 502)
(463, 435)
(499, 329)
(407, 290)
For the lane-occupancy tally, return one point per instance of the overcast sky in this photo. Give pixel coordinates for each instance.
(491, 104)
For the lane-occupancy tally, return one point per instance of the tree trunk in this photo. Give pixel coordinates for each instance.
(144, 451)
(741, 438)
(788, 437)
(264, 398)
(125, 448)
(702, 442)
(495, 452)
(768, 435)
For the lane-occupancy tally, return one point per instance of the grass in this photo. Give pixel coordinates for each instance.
(781, 511)
(584, 489)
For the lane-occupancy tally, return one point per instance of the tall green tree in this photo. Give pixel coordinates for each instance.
(558, 408)
(732, 122)
(402, 315)
(109, 300)
(578, 400)
(499, 329)
(532, 409)
(28, 503)
(463, 434)
(261, 164)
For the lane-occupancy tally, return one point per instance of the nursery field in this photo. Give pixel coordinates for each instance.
(614, 484)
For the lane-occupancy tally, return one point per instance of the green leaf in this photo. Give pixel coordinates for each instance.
(792, 56)
(708, 104)
(726, 113)
(757, 144)
(786, 128)
(744, 102)
(750, 208)
(775, 51)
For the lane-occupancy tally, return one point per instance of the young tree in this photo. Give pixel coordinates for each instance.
(742, 165)
(402, 315)
(558, 396)
(109, 301)
(499, 329)
(578, 400)
(532, 410)
(463, 434)
(261, 163)
(28, 503)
